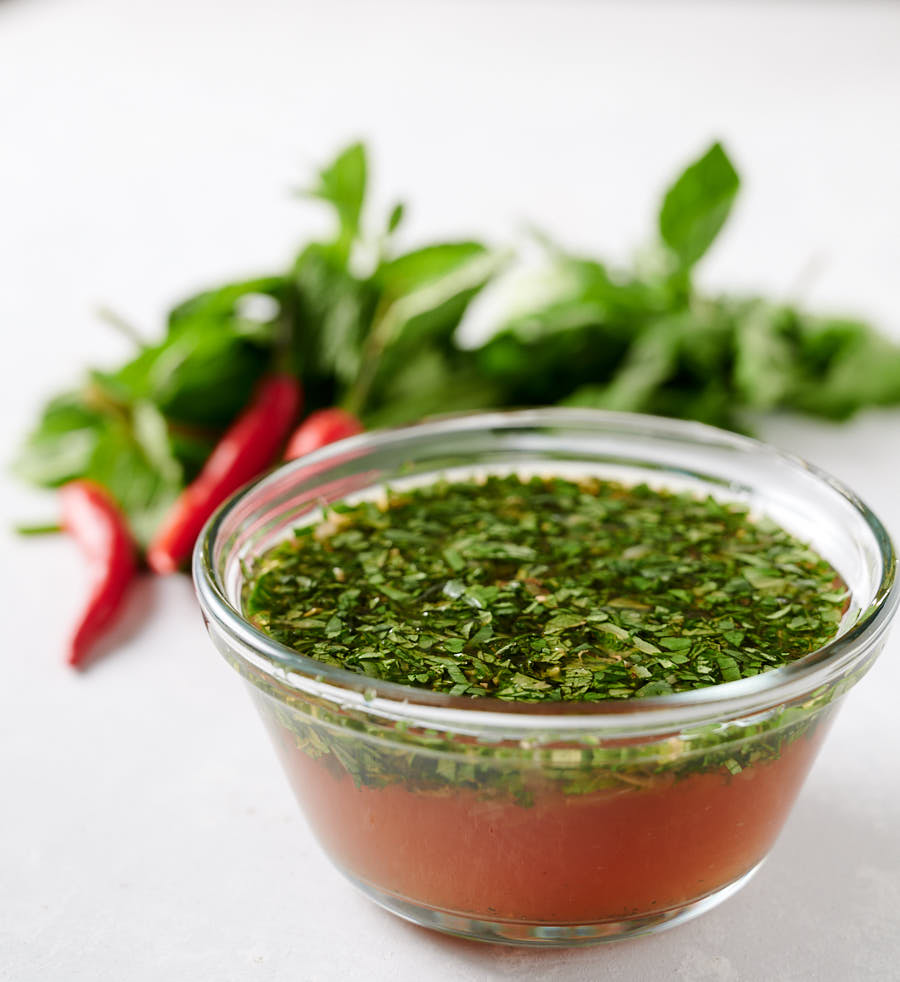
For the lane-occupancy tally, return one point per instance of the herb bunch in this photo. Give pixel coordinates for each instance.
(374, 329)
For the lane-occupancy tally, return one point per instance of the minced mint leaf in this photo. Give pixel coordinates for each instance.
(551, 590)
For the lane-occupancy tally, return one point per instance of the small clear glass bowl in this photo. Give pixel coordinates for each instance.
(548, 824)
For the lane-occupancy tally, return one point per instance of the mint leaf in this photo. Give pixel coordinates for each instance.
(765, 359)
(333, 312)
(696, 206)
(650, 361)
(130, 454)
(121, 463)
(60, 446)
(218, 345)
(844, 366)
(431, 288)
(422, 297)
(343, 184)
(395, 217)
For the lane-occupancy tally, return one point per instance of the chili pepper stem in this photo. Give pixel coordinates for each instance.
(49, 528)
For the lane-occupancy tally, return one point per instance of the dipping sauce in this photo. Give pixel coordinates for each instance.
(545, 590)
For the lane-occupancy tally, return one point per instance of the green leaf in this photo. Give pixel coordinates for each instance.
(232, 304)
(577, 335)
(712, 403)
(423, 295)
(395, 217)
(678, 366)
(650, 361)
(846, 366)
(431, 288)
(151, 434)
(129, 454)
(60, 446)
(765, 368)
(696, 206)
(656, 688)
(333, 312)
(414, 269)
(566, 349)
(343, 184)
(203, 372)
(563, 622)
(432, 383)
(122, 465)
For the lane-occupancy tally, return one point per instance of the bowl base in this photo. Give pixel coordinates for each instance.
(548, 935)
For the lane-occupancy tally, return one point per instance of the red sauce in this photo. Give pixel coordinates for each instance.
(573, 859)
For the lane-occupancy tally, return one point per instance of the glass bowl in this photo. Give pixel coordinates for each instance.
(561, 823)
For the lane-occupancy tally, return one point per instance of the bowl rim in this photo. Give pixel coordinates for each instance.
(424, 706)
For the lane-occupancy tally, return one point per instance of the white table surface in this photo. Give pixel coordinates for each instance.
(147, 149)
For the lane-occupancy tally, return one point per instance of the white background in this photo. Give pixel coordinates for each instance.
(147, 148)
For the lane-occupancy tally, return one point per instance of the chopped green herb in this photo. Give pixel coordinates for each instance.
(546, 590)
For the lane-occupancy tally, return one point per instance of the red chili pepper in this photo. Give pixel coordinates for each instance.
(321, 427)
(249, 446)
(100, 529)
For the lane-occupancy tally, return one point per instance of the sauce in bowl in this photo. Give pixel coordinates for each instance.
(548, 590)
